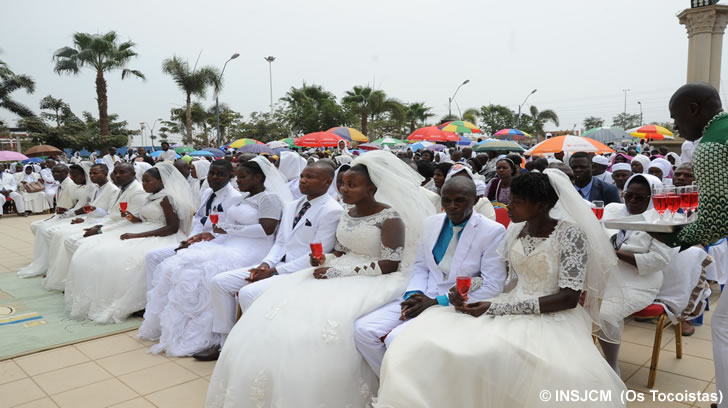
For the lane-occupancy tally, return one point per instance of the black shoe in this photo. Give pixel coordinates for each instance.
(210, 354)
(139, 313)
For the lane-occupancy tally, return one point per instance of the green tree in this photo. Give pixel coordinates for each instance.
(496, 117)
(471, 115)
(311, 108)
(626, 120)
(11, 82)
(101, 53)
(593, 122)
(260, 126)
(448, 118)
(417, 113)
(370, 104)
(53, 104)
(535, 122)
(191, 81)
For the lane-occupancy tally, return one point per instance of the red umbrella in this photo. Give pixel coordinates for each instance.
(319, 139)
(432, 134)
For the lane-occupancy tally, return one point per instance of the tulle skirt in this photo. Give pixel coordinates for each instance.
(107, 277)
(43, 231)
(179, 311)
(294, 347)
(449, 359)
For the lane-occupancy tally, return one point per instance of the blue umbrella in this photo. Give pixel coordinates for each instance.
(201, 153)
(33, 160)
(256, 148)
(158, 152)
(465, 141)
(214, 151)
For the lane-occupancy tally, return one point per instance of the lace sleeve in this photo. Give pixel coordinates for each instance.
(391, 254)
(340, 248)
(573, 254)
(527, 306)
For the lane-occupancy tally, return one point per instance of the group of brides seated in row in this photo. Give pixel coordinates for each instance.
(316, 334)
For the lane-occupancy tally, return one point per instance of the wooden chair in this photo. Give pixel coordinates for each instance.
(656, 311)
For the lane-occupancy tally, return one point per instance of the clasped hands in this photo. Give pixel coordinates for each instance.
(419, 302)
(320, 273)
(203, 236)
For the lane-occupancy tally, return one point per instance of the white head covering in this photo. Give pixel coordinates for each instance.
(643, 160)
(202, 167)
(28, 177)
(140, 168)
(621, 166)
(459, 168)
(291, 164)
(178, 191)
(333, 192)
(275, 182)
(663, 165)
(600, 160)
(675, 157)
(651, 180)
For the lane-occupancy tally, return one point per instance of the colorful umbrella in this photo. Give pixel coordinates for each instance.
(653, 132)
(568, 144)
(432, 134)
(158, 152)
(459, 126)
(184, 149)
(42, 150)
(291, 142)
(436, 148)
(389, 141)
(607, 134)
(420, 145)
(511, 134)
(201, 153)
(9, 155)
(465, 141)
(349, 134)
(369, 146)
(319, 139)
(495, 145)
(256, 148)
(215, 151)
(33, 160)
(243, 142)
(277, 144)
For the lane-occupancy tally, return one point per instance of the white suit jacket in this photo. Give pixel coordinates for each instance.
(317, 225)
(103, 198)
(135, 197)
(476, 256)
(66, 198)
(7, 182)
(225, 198)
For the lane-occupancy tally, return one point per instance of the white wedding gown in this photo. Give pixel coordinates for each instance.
(449, 359)
(106, 278)
(179, 312)
(294, 347)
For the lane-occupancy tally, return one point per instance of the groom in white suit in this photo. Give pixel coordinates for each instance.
(312, 218)
(459, 242)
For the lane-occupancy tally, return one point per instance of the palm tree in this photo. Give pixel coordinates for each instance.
(102, 53)
(471, 115)
(539, 119)
(11, 82)
(360, 98)
(417, 112)
(54, 104)
(370, 103)
(192, 82)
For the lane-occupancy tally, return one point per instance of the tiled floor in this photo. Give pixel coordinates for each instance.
(118, 371)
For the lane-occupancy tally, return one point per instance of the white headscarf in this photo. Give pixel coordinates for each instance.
(675, 157)
(202, 167)
(291, 165)
(663, 165)
(140, 168)
(275, 182)
(178, 190)
(28, 177)
(651, 180)
(459, 168)
(643, 160)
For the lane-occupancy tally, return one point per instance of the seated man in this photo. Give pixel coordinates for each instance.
(460, 242)
(312, 218)
(9, 190)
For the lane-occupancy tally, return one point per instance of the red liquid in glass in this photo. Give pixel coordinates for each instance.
(317, 250)
(599, 212)
(463, 285)
(87, 209)
(660, 203)
(673, 203)
(694, 200)
(122, 206)
(214, 218)
(685, 201)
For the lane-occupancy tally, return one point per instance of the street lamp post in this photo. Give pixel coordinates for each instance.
(141, 128)
(270, 60)
(640, 104)
(151, 130)
(625, 101)
(449, 101)
(518, 120)
(217, 102)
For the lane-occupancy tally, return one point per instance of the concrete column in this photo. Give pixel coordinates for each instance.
(705, 26)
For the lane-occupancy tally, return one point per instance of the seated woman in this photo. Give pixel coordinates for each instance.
(198, 171)
(178, 311)
(535, 336)
(294, 346)
(35, 202)
(106, 279)
(439, 175)
(662, 169)
(639, 164)
(499, 188)
(634, 284)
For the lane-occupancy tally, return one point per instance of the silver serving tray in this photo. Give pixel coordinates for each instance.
(638, 223)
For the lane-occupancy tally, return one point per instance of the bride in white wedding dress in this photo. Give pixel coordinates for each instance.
(294, 346)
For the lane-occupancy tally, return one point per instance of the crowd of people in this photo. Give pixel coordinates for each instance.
(324, 278)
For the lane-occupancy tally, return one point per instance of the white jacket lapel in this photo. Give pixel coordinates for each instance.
(464, 243)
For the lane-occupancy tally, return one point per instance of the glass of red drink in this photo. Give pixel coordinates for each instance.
(317, 250)
(673, 200)
(87, 209)
(659, 200)
(214, 218)
(463, 286)
(598, 208)
(123, 205)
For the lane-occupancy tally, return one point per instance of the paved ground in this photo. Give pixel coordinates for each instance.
(117, 370)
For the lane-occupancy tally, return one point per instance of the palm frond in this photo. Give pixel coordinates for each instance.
(126, 72)
(16, 107)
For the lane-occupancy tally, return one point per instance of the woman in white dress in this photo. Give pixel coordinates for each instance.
(294, 346)
(107, 280)
(178, 312)
(535, 336)
(34, 202)
(634, 284)
(198, 171)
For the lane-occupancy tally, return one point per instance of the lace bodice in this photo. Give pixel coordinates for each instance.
(538, 271)
(363, 235)
(152, 210)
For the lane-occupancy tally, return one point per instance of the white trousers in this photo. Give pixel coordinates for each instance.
(223, 288)
(719, 328)
(17, 198)
(370, 328)
(49, 194)
(153, 259)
